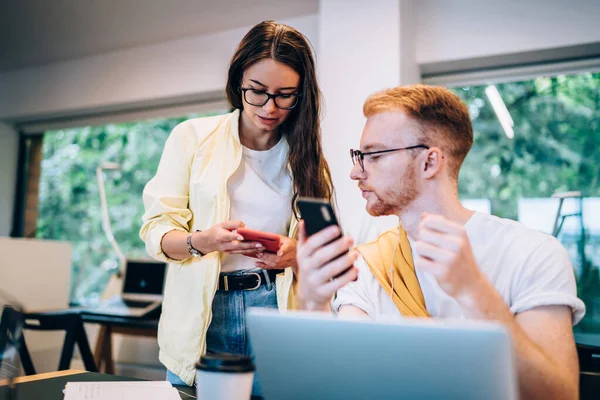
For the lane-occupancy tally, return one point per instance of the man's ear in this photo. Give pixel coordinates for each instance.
(432, 165)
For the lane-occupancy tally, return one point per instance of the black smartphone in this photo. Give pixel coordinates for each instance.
(318, 214)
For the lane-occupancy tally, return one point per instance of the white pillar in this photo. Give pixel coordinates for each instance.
(364, 46)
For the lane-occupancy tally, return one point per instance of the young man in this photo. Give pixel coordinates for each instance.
(466, 264)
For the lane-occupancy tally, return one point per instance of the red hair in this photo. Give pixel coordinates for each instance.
(443, 117)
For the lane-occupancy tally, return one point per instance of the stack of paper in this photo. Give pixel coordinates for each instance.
(140, 390)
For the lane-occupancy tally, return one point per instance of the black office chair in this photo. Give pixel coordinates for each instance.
(11, 324)
(67, 321)
(589, 376)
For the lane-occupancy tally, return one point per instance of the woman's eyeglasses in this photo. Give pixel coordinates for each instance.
(284, 101)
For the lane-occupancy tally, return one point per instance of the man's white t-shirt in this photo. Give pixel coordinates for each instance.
(528, 268)
(260, 194)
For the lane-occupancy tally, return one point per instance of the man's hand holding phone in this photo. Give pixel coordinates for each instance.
(321, 260)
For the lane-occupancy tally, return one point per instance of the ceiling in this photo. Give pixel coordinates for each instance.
(37, 32)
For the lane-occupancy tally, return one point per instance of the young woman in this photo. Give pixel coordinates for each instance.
(218, 174)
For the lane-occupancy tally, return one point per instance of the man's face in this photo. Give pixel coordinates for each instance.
(389, 180)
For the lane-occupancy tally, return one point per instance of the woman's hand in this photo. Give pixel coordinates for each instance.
(285, 257)
(223, 237)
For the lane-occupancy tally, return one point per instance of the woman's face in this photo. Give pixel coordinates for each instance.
(272, 77)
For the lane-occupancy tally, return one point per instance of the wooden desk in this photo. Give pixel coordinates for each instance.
(49, 386)
(48, 375)
(147, 327)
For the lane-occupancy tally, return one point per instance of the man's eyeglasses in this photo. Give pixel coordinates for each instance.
(285, 101)
(359, 156)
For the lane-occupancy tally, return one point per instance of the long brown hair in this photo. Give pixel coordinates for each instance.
(282, 43)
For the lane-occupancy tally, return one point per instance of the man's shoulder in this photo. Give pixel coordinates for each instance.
(486, 226)
(511, 240)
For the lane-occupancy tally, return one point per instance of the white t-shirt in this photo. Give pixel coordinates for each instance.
(260, 194)
(528, 268)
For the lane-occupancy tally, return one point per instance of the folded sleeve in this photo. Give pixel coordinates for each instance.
(547, 279)
(357, 293)
(166, 195)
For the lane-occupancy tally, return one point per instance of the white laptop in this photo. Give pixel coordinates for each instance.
(142, 292)
(316, 356)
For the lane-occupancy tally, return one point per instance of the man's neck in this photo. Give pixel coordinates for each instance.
(445, 204)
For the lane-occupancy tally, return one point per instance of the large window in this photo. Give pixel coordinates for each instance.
(69, 206)
(534, 139)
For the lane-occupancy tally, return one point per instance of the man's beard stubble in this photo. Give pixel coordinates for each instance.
(396, 199)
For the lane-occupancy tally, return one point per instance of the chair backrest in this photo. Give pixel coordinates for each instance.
(68, 321)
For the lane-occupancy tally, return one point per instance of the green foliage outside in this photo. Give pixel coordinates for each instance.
(556, 146)
(69, 200)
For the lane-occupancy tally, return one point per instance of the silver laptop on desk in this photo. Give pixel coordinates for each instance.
(314, 356)
(142, 292)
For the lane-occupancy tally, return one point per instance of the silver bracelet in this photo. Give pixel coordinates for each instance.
(193, 251)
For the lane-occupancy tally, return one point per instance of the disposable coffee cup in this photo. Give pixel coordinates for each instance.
(222, 376)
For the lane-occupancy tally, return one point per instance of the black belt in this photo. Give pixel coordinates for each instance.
(249, 281)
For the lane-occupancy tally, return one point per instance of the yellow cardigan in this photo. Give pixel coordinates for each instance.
(406, 294)
(189, 192)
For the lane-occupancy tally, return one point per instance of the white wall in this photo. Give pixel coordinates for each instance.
(360, 52)
(9, 142)
(444, 30)
(194, 66)
(452, 30)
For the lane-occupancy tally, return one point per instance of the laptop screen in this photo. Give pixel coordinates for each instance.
(144, 277)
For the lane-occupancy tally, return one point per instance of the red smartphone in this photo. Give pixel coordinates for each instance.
(269, 240)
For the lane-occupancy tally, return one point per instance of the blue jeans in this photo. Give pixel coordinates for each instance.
(227, 330)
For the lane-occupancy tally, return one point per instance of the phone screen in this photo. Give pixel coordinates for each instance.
(317, 215)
